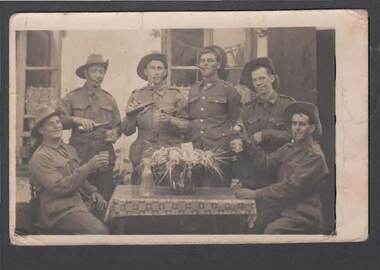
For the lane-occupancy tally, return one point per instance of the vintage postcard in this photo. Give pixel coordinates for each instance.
(188, 127)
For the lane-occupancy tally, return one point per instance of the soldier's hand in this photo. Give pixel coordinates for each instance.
(132, 104)
(245, 194)
(112, 135)
(258, 137)
(99, 161)
(236, 183)
(99, 201)
(85, 124)
(236, 145)
(236, 129)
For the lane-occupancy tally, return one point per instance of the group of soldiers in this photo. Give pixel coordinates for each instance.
(273, 139)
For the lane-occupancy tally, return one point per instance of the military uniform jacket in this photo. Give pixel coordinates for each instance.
(167, 101)
(94, 104)
(267, 117)
(300, 172)
(58, 179)
(214, 109)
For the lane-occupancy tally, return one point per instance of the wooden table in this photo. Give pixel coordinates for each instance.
(211, 201)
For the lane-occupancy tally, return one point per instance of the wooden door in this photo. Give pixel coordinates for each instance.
(293, 51)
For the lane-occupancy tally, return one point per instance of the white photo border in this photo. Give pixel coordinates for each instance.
(351, 29)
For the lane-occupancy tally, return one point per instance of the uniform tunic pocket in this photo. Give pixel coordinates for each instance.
(80, 110)
(168, 110)
(253, 125)
(220, 100)
(193, 99)
(216, 105)
(276, 123)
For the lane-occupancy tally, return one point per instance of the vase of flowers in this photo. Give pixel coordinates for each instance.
(174, 167)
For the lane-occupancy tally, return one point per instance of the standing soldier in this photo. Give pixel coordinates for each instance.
(157, 111)
(87, 107)
(214, 107)
(262, 118)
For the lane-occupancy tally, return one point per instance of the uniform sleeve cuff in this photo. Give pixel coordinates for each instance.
(85, 169)
(92, 189)
(250, 147)
(258, 194)
(265, 134)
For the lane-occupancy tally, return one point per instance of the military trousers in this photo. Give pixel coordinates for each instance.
(270, 220)
(79, 222)
(103, 181)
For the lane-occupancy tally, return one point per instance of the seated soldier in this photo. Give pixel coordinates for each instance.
(292, 204)
(59, 180)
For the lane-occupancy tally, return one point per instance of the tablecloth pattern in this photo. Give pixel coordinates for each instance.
(206, 201)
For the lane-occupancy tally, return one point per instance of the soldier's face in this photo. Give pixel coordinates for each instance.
(95, 74)
(301, 128)
(155, 72)
(262, 81)
(208, 64)
(52, 128)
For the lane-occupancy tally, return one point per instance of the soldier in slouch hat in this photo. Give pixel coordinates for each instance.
(262, 117)
(157, 112)
(59, 181)
(86, 107)
(292, 204)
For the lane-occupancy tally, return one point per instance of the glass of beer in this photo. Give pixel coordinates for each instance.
(105, 153)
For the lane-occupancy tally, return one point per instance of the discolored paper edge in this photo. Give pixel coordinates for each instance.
(351, 29)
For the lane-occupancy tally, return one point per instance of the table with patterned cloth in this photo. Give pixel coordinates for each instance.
(126, 202)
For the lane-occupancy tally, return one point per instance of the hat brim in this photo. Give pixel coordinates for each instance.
(308, 108)
(34, 130)
(80, 70)
(145, 61)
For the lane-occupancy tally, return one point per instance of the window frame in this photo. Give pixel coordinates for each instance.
(250, 48)
(54, 70)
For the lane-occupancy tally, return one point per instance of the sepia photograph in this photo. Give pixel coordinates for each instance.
(190, 127)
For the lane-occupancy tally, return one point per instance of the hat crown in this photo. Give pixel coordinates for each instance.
(308, 107)
(94, 59)
(145, 60)
(42, 111)
(263, 62)
(249, 67)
